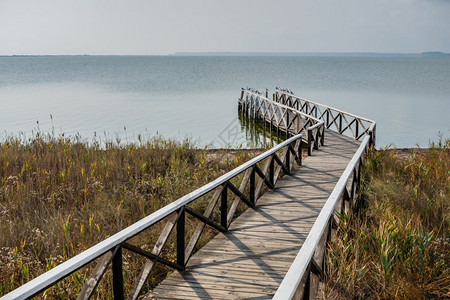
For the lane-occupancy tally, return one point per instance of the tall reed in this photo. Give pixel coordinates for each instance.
(399, 245)
(59, 196)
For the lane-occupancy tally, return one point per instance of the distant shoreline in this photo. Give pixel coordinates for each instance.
(256, 54)
(315, 54)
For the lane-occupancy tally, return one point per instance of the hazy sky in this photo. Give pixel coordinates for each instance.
(164, 27)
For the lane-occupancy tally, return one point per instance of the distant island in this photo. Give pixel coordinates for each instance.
(341, 54)
(435, 53)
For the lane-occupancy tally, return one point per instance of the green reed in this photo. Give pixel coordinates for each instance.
(398, 246)
(60, 196)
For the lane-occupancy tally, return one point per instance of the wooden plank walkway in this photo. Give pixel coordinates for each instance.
(250, 260)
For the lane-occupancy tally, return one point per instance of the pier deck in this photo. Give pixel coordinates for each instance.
(276, 248)
(251, 259)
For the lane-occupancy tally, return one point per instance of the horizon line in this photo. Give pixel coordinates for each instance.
(250, 53)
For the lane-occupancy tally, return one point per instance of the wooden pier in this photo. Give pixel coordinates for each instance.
(275, 248)
(251, 259)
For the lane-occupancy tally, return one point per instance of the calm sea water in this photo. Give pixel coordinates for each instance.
(122, 97)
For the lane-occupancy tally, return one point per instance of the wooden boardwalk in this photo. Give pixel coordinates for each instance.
(251, 259)
(269, 251)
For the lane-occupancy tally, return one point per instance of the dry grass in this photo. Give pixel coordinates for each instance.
(59, 196)
(399, 247)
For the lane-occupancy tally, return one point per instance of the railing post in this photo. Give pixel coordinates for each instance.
(328, 117)
(322, 138)
(340, 122)
(252, 186)
(316, 140)
(271, 172)
(287, 121)
(358, 183)
(310, 138)
(347, 199)
(224, 207)
(299, 151)
(372, 138)
(180, 237)
(357, 129)
(354, 183)
(307, 291)
(117, 274)
(288, 159)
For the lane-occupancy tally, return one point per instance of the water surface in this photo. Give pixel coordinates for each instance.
(121, 97)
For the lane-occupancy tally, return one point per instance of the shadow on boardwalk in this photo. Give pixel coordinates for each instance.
(251, 259)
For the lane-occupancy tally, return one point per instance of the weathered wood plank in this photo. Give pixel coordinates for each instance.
(251, 259)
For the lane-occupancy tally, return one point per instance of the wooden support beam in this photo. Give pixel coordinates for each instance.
(149, 265)
(96, 275)
(117, 274)
(180, 237)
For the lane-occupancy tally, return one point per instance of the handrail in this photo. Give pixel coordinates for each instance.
(315, 126)
(335, 119)
(253, 101)
(304, 266)
(70, 266)
(291, 286)
(308, 116)
(323, 105)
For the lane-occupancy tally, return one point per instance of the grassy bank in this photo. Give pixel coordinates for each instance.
(399, 246)
(60, 196)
